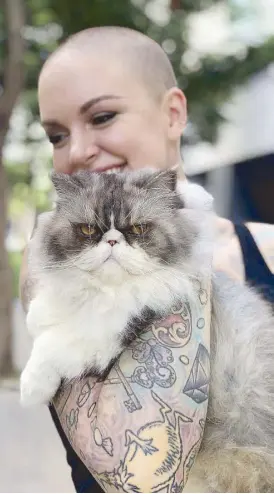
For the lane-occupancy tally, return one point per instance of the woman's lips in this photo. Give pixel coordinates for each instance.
(110, 169)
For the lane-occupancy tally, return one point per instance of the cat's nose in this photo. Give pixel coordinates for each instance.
(112, 242)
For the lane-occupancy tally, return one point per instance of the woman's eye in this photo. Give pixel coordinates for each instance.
(87, 230)
(102, 118)
(56, 139)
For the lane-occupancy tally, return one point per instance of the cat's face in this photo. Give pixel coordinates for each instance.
(129, 222)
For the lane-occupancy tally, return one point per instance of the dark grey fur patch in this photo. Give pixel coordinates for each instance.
(134, 328)
(138, 324)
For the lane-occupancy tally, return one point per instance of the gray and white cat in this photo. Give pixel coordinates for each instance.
(121, 250)
(116, 253)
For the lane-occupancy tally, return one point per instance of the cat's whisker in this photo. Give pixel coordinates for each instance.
(99, 220)
(88, 214)
(130, 212)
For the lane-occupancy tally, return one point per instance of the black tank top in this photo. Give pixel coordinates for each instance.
(81, 477)
(257, 274)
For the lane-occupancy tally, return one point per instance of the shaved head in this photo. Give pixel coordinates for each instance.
(142, 56)
(108, 98)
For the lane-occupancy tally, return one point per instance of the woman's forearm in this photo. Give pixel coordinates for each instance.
(140, 429)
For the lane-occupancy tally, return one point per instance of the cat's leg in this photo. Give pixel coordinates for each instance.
(41, 316)
(40, 378)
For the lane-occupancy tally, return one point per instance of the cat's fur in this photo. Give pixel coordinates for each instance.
(82, 314)
(237, 451)
(88, 306)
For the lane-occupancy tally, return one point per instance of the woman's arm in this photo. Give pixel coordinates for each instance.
(140, 429)
(129, 428)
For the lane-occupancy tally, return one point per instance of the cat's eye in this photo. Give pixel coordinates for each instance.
(138, 229)
(87, 230)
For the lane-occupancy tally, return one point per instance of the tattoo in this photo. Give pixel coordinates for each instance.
(202, 293)
(176, 330)
(197, 384)
(140, 428)
(91, 410)
(156, 369)
(160, 458)
(85, 394)
(72, 421)
(132, 403)
(203, 296)
(103, 442)
(82, 455)
(72, 418)
(184, 359)
(201, 323)
(62, 397)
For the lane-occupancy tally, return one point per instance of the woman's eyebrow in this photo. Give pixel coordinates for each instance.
(83, 109)
(50, 123)
(86, 106)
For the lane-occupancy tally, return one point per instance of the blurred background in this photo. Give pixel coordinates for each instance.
(223, 55)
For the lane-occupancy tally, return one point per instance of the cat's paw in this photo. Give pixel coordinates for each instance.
(36, 389)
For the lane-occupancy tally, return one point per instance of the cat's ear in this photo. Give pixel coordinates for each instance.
(66, 184)
(164, 182)
(159, 180)
(166, 179)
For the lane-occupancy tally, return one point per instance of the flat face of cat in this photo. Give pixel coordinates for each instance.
(129, 220)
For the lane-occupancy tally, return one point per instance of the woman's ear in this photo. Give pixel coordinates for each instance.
(175, 107)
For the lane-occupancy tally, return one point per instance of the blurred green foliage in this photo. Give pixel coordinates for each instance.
(15, 259)
(207, 83)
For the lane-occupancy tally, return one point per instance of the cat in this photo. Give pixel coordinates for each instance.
(120, 248)
(123, 248)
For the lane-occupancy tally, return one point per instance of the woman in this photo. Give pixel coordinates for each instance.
(108, 100)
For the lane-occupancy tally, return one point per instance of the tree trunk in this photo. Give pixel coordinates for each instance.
(12, 85)
(175, 5)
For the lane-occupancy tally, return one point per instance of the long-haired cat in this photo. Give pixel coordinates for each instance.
(119, 248)
(124, 248)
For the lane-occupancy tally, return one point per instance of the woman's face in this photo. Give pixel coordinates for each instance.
(99, 116)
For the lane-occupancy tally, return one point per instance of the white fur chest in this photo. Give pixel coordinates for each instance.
(85, 325)
(86, 330)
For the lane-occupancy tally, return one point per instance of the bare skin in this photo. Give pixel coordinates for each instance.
(228, 255)
(143, 409)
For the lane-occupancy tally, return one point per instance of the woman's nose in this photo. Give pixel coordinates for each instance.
(83, 152)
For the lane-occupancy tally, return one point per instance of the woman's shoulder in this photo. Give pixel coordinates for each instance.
(263, 234)
(228, 254)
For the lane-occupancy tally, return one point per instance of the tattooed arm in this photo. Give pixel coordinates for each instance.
(133, 429)
(140, 429)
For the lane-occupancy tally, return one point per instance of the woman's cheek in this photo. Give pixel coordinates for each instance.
(115, 142)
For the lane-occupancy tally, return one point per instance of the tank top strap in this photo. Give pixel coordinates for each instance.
(257, 273)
